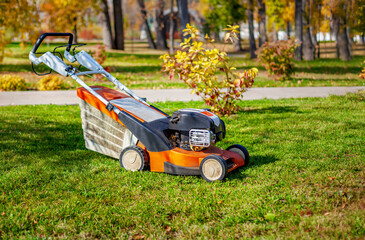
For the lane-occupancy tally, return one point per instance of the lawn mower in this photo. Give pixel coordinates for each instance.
(122, 125)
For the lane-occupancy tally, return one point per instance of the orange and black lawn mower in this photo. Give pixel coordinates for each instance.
(122, 125)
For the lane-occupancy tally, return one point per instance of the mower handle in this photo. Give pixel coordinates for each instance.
(44, 35)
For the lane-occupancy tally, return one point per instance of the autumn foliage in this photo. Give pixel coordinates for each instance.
(12, 83)
(18, 18)
(198, 68)
(277, 58)
(50, 82)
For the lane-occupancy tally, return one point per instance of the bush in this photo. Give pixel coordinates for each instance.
(12, 83)
(50, 82)
(277, 58)
(197, 67)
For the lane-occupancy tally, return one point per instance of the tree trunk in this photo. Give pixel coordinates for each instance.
(349, 39)
(106, 25)
(184, 16)
(171, 27)
(342, 40)
(74, 32)
(335, 29)
(118, 24)
(237, 42)
(251, 29)
(298, 30)
(343, 43)
(348, 9)
(160, 26)
(288, 29)
(151, 42)
(274, 33)
(308, 47)
(262, 22)
(313, 36)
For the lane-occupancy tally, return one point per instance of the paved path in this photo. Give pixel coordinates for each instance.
(69, 97)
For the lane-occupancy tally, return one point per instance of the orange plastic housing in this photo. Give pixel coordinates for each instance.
(106, 93)
(184, 158)
(176, 156)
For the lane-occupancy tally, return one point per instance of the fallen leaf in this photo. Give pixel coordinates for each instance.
(138, 236)
(306, 212)
(343, 205)
(327, 213)
(168, 229)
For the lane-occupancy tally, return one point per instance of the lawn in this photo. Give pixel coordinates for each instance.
(306, 178)
(142, 69)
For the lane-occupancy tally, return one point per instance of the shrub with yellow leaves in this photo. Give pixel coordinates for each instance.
(198, 68)
(12, 83)
(50, 82)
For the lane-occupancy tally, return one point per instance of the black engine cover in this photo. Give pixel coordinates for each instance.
(184, 120)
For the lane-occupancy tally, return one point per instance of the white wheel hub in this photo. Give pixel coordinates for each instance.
(132, 160)
(212, 169)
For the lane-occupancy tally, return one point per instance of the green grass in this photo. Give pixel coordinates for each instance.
(144, 70)
(306, 178)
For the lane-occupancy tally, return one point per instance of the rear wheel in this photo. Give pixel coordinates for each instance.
(241, 150)
(133, 158)
(213, 168)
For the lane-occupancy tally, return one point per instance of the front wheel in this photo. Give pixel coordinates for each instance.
(133, 158)
(213, 168)
(241, 150)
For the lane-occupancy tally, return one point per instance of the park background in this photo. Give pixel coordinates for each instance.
(306, 176)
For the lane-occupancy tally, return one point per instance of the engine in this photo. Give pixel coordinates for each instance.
(195, 129)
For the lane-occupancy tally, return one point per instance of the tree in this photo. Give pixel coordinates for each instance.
(341, 38)
(308, 46)
(251, 29)
(281, 14)
(151, 42)
(184, 16)
(63, 15)
(299, 29)
(262, 22)
(171, 30)
(160, 26)
(118, 25)
(17, 17)
(339, 21)
(226, 12)
(106, 25)
(358, 19)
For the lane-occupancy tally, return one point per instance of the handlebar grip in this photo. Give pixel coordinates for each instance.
(44, 35)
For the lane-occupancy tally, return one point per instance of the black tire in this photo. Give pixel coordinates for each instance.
(133, 158)
(241, 150)
(213, 168)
